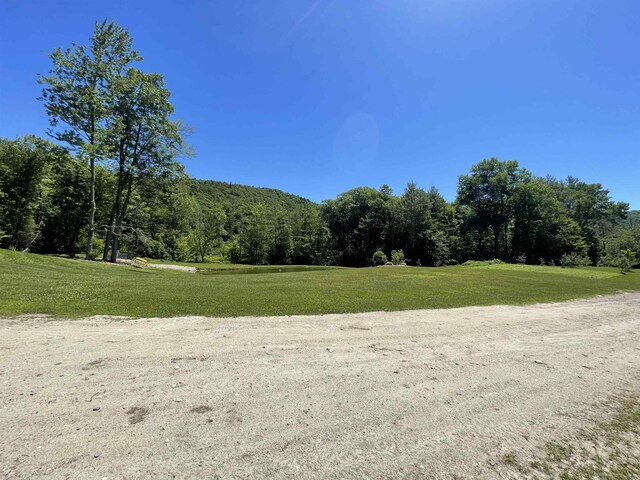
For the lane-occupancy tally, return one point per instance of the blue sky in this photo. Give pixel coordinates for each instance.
(319, 96)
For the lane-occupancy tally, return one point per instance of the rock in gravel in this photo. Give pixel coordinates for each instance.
(95, 409)
(539, 362)
(492, 462)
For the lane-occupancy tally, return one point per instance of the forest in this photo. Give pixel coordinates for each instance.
(109, 181)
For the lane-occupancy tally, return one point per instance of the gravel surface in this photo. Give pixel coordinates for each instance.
(168, 266)
(440, 394)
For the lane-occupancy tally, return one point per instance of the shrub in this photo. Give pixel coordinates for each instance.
(480, 263)
(98, 247)
(574, 260)
(624, 260)
(151, 248)
(521, 258)
(627, 259)
(397, 257)
(379, 258)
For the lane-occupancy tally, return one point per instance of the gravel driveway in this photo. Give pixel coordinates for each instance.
(419, 394)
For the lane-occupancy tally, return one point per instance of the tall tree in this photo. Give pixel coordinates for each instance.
(414, 211)
(144, 138)
(591, 207)
(486, 195)
(358, 221)
(24, 186)
(77, 93)
(207, 229)
(543, 229)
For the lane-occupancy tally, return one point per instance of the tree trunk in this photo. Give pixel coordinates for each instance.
(506, 242)
(115, 211)
(119, 219)
(92, 208)
(496, 241)
(108, 235)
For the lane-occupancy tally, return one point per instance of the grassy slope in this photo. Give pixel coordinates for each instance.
(38, 284)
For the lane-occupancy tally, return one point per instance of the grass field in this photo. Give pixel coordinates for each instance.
(69, 288)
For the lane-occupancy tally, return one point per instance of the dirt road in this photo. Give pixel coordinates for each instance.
(420, 394)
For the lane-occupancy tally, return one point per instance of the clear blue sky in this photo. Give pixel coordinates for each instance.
(319, 96)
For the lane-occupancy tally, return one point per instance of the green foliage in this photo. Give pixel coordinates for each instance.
(282, 247)
(627, 259)
(623, 259)
(172, 217)
(482, 263)
(79, 97)
(26, 187)
(485, 197)
(574, 259)
(379, 258)
(626, 237)
(590, 206)
(207, 228)
(542, 227)
(358, 221)
(397, 257)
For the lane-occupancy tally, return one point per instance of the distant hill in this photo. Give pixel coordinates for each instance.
(234, 196)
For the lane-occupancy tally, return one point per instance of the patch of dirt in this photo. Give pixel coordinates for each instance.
(95, 363)
(137, 414)
(440, 394)
(201, 409)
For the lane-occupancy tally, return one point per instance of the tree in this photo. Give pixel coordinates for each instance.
(358, 221)
(77, 93)
(144, 138)
(414, 211)
(207, 230)
(253, 240)
(543, 229)
(485, 194)
(24, 187)
(67, 206)
(591, 207)
(282, 246)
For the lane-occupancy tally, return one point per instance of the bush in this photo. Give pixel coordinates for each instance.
(98, 247)
(151, 248)
(379, 258)
(574, 260)
(521, 258)
(397, 257)
(624, 260)
(480, 263)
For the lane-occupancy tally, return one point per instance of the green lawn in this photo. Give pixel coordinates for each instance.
(71, 288)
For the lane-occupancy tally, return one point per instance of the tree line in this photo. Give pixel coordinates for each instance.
(501, 212)
(113, 182)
